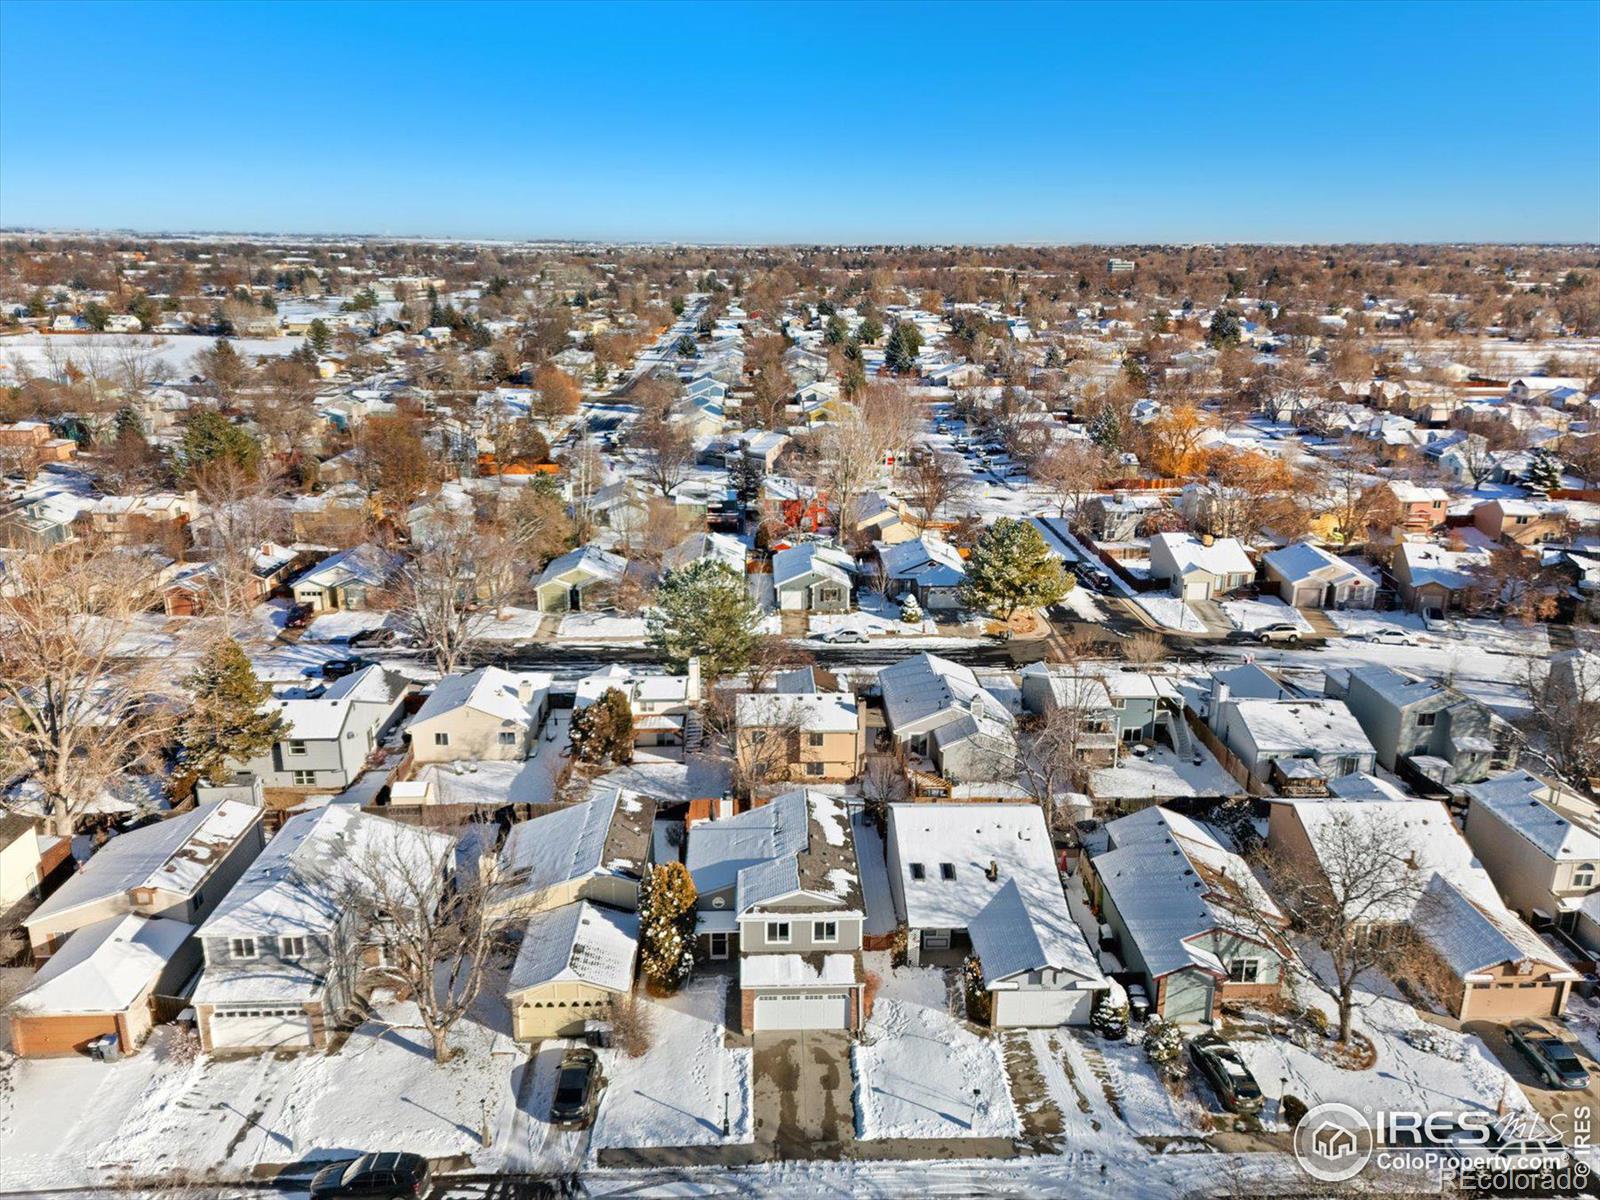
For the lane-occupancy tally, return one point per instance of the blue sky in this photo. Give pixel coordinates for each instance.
(808, 122)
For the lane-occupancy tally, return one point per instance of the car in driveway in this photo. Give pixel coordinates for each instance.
(578, 1086)
(1225, 1071)
(1553, 1056)
(338, 668)
(1092, 577)
(298, 616)
(381, 636)
(1280, 631)
(846, 637)
(1390, 637)
(385, 1176)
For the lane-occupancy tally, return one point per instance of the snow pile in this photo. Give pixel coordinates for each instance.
(1251, 615)
(673, 1094)
(1170, 613)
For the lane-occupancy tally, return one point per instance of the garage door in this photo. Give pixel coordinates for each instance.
(1508, 1001)
(1187, 998)
(825, 1010)
(58, 1035)
(1044, 1008)
(261, 1028)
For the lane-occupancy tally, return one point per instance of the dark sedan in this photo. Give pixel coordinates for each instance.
(373, 1177)
(1226, 1073)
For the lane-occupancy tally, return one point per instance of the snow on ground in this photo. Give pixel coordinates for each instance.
(1170, 613)
(512, 624)
(531, 781)
(43, 354)
(1354, 622)
(1251, 615)
(700, 777)
(1081, 603)
(673, 1094)
(881, 919)
(601, 626)
(923, 1073)
(1080, 1069)
(344, 625)
(1163, 774)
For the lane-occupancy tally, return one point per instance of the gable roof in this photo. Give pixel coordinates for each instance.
(577, 943)
(1018, 932)
(489, 690)
(1302, 560)
(1521, 801)
(365, 563)
(598, 836)
(927, 560)
(103, 968)
(924, 685)
(1225, 556)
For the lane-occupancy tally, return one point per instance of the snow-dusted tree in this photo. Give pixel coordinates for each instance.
(1163, 1046)
(1071, 472)
(932, 480)
(603, 731)
(1011, 569)
(666, 926)
(445, 597)
(910, 610)
(74, 712)
(1052, 759)
(244, 509)
(225, 723)
(1544, 471)
(705, 610)
(1109, 1019)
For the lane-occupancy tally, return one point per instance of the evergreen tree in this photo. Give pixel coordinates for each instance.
(226, 723)
(870, 329)
(900, 352)
(686, 347)
(1106, 429)
(1011, 568)
(96, 315)
(603, 731)
(1224, 329)
(319, 336)
(910, 610)
(666, 926)
(1544, 472)
(705, 610)
(834, 332)
(211, 437)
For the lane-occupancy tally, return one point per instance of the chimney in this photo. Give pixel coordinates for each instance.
(992, 873)
(1219, 696)
(525, 689)
(725, 801)
(693, 689)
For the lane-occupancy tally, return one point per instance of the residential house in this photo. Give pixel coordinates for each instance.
(1520, 523)
(565, 581)
(1307, 576)
(596, 850)
(1540, 843)
(1293, 745)
(1118, 518)
(31, 863)
(350, 579)
(928, 568)
(328, 739)
(1424, 726)
(488, 713)
(1199, 569)
(944, 720)
(573, 963)
(1111, 707)
(720, 547)
(876, 518)
(1432, 579)
(762, 450)
(812, 578)
(284, 949)
(665, 707)
(1422, 509)
(779, 885)
(1189, 918)
(801, 732)
(190, 591)
(985, 877)
(1492, 967)
(157, 519)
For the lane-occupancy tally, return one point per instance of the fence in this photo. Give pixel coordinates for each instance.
(1231, 762)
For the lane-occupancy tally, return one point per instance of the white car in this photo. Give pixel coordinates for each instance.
(846, 637)
(1392, 637)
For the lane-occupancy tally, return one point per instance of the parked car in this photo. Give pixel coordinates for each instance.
(381, 636)
(846, 637)
(1091, 576)
(338, 668)
(1391, 637)
(578, 1085)
(1551, 1055)
(1226, 1073)
(299, 616)
(1510, 1150)
(1281, 631)
(373, 1177)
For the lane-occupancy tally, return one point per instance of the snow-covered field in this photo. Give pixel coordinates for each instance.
(44, 354)
(1251, 615)
(1170, 613)
(673, 1095)
(922, 1073)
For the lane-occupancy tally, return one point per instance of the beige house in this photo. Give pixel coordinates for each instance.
(1519, 522)
(802, 736)
(597, 850)
(1540, 844)
(573, 962)
(488, 714)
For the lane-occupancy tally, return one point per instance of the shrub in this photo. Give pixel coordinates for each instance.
(911, 611)
(1163, 1045)
(1110, 1020)
(632, 1024)
(980, 1004)
(1294, 1110)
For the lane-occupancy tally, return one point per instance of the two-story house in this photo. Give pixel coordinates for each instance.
(488, 714)
(779, 886)
(665, 707)
(802, 731)
(283, 950)
(596, 850)
(947, 722)
(1200, 569)
(928, 568)
(1422, 725)
(1111, 707)
(327, 740)
(1292, 745)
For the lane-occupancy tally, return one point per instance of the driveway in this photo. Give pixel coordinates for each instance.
(803, 1088)
(1569, 1113)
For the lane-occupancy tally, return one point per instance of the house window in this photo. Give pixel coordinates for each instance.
(1244, 970)
(1424, 720)
(918, 871)
(441, 739)
(291, 947)
(778, 932)
(1583, 875)
(305, 779)
(815, 768)
(757, 736)
(814, 739)
(242, 947)
(508, 737)
(824, 931)
(947, 871)
(297, 747)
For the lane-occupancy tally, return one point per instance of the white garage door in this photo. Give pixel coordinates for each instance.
(1043, 1008)
(261, 1028)
(825, 1010)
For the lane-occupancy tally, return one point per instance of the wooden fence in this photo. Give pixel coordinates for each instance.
(1231, 762)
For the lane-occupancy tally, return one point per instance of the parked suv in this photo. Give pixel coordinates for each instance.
(578, 1084)
(1282, 631)
(1226, 1073)
(373, 1177)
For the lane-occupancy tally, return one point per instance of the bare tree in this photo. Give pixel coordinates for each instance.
(1564, 698)
(668, 452)
(1071, 472)
(245, 511)
(446, 596)
(78, 713)
(1145, 649)
(1053, 755)
(933, 480)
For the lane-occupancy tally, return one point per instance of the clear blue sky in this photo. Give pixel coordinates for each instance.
(1155, 122)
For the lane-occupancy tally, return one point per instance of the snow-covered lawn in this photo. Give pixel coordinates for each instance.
(1170, 613)
(601, 626)
(342, 626)
(1354, 622)
(701, 776)
(511, 624)
(673, 1094)
(1114, 1079)
(922, 1073)
(1081, 603)
(1251, 615)
(1163, 774)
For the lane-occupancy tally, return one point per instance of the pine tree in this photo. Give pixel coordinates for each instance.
(1544, 472)
(1110, 1020)
(209, 437)
(1011, 568)
(603, 731)
(705, 610)
(666, 926)
(319, 336)
(1224, 329)
(1163, 1045)
(910, 610)
(900, 352)
(226, 723)
(834, 332)
(870, 329)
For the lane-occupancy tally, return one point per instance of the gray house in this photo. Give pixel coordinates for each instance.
(1445, 736)
(329, 738)
(939, 712)
(812, 578)
(1292, 744)
(1114, 706)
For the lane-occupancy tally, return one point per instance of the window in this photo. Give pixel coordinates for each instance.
(291, 947)
(1424, 720)
(778, 932)
(918, 871)
(824, 931)
(441, 739)
(815, 768)
(1583, 875)
(508, 737)
(1244, 970)
(305, 779)
(947, 871)
(297, 747)
(242, 947)
(814, 739)
(757, 736)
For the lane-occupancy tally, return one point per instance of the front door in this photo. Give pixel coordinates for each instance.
(719, 946)
(574, 599)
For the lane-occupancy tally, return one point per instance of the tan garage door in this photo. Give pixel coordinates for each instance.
(58, 1035)
(1509, 1002)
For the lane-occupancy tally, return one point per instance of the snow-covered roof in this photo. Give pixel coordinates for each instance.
(489, 690)
(926, 560)
(577, 842)
(814, 712)
(1225, 556)
(577, 943)
(1429, 563)
(797, 970)
(925, 685)
(799, 842)
(720, 547)
(365, 563)
(1325, 726)
(718, 850)
(176, 855)
(1021, 930)
(799, 562)
(324, 717)
(1528, 805)
(598, 563)
(104, 967)
(1302, 560)
(1472, 937)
